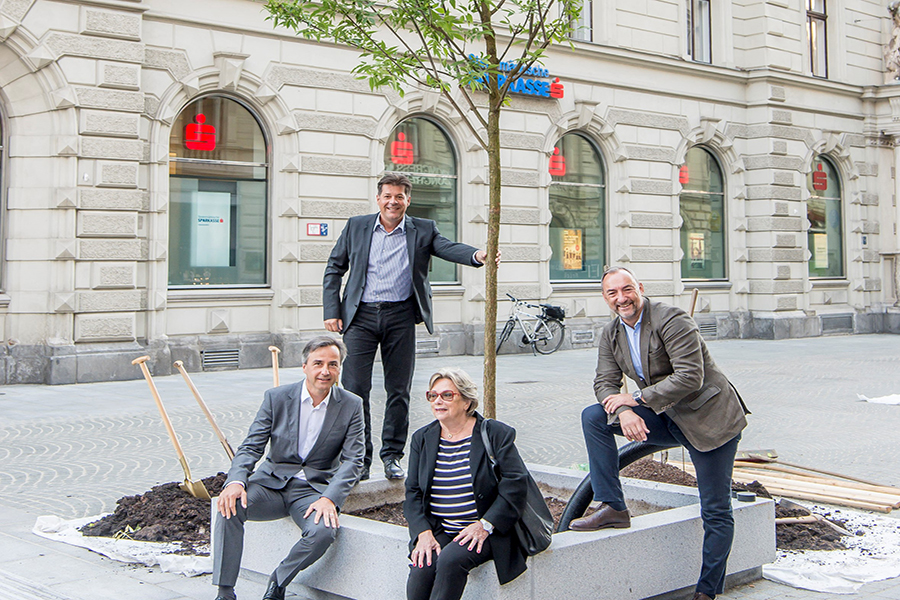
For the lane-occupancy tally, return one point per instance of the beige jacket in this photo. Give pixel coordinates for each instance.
(682, 380)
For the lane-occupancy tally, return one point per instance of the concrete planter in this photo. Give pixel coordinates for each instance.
(659, 554)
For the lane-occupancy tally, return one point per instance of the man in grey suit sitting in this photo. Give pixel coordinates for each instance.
(315, 432)
(683, 398)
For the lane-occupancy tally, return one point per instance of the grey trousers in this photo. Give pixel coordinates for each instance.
(265, 504)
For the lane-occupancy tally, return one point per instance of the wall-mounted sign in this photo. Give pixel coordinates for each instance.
(211, 219)
(199, 135)
(317, 229)
(573, 251)
(401, 150)
(528, 83)
(820, 179)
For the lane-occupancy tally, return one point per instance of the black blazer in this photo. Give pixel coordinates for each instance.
(501, 504)
(423, 240)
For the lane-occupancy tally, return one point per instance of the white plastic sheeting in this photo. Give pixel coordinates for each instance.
(128, 551)
(873, 554)
(892, 399)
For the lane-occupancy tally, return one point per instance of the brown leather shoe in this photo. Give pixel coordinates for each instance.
(701, 596)
(606, 516)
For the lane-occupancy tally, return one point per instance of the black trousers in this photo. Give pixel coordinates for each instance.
(392, 326)
(713, 481)
(446, 578)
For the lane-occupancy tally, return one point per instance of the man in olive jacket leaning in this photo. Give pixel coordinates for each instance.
(683, 399)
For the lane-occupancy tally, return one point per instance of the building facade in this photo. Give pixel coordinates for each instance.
(175, 174)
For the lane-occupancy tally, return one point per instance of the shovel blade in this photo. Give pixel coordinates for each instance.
(195, 489)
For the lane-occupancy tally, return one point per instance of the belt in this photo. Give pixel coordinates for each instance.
(385, 305)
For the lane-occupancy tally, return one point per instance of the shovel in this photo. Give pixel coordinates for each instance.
(209, 416)
(194, 488)
(275, 352)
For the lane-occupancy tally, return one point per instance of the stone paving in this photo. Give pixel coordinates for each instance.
(73, 450)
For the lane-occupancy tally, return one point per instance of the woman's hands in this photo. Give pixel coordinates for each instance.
(425, 545)
(474, 535)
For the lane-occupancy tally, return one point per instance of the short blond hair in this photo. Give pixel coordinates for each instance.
(466, 386)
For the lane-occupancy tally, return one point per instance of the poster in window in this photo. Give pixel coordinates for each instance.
(573, 250)
(697, 250)
(211, 234)
(820, 250)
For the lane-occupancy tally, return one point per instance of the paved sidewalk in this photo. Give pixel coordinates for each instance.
(73, 450)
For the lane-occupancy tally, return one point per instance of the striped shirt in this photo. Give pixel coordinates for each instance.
(388, 277)
(452, 495)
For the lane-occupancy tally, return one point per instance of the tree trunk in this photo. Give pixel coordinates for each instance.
(490, 276)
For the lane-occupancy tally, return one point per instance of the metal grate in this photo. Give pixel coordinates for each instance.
(583, 337)
(220, 359)
(427, 346)
(709, 330)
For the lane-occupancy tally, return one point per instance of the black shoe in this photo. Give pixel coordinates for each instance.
(392, 469)
(364, 473)
(274, 592)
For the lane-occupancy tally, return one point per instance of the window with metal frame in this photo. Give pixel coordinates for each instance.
(702, 209)
(218, 196)
(420, 149)
(818, 38)
(824, 211)
(699, 30)
(577, 209)
(582, 27)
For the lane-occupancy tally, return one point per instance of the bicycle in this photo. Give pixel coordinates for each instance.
(544, 332)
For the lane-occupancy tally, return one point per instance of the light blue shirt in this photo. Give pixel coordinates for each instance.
(388, 277)
(634, 344)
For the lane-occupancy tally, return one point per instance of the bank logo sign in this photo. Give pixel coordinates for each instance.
(199, 135)
(530, 83)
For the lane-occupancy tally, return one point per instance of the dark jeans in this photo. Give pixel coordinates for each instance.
(713, 481)
(446, 578)
(391, 325)
(265, 504)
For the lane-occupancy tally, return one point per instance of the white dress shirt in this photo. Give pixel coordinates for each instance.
(311, 420)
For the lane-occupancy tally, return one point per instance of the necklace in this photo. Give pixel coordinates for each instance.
(450, 435)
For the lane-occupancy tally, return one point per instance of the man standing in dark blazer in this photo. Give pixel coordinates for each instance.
(388, 255)
(315, 432)
(683, 399)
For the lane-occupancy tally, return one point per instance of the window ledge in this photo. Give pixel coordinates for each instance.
(4, 300)
(575, 286)
(188, 296)
(447, 289)
(706, 285)
(826, 284)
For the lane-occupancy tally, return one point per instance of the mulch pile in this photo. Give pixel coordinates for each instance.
(168, 514)
(164, 514)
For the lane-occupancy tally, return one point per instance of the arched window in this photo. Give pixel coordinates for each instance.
(823, 210)
(702, 206)
(578, 210)
(218, 169)
(421, 150)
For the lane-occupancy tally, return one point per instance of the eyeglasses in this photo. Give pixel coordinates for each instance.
(446, 395)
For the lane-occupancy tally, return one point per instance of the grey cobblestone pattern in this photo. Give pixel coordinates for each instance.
(73, 450)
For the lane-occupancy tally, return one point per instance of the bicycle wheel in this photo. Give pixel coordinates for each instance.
(504, 335)
(548, 336)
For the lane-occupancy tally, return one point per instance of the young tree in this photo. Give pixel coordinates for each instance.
(455, 47)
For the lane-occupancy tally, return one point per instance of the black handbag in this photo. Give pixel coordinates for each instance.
(535, 527)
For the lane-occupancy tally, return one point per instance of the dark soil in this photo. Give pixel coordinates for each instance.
(164, 514)
(806, 536)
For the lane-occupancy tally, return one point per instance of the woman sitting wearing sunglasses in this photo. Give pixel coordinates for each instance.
(459, 515)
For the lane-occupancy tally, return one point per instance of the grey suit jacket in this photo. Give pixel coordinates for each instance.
(335, 461)
(423, 240)
(681, 378)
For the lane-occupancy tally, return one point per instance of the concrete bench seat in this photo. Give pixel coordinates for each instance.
(658, 555)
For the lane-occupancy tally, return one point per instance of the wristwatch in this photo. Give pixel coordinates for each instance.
(638, 397)
(487, 526)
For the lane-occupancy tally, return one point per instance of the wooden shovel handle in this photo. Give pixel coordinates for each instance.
(209, 416)
(142, 361)
(694, 293)
(275, 351)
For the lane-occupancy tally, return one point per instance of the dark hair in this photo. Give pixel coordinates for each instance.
(395, 179)
(611, 270)
(323, 341)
